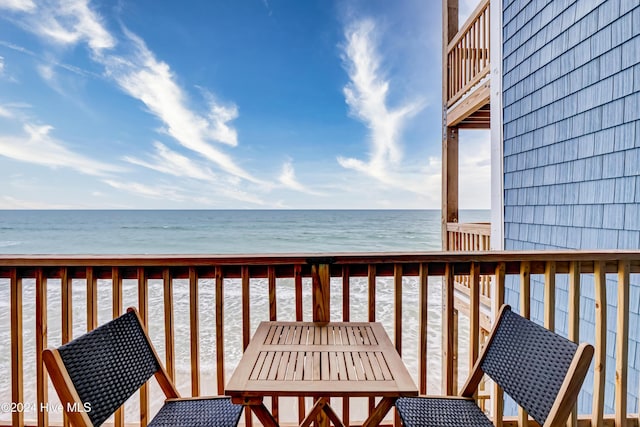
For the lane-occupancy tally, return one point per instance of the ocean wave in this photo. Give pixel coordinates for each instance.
(156, 227)
(9, 243)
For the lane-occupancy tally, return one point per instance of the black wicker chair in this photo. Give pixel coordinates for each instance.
(540, 370)
(97, 372)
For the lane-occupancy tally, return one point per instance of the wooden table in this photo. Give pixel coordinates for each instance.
(322, 360)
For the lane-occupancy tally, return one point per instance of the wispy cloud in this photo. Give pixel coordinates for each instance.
(288, 179)
(162, 192)
(135, 69)
(367, 96)
(8, 202)
(173, 193)
(169, 162)
(18, 5)
(65, 22)
(151, 81)
(5, 112)
(37, 146)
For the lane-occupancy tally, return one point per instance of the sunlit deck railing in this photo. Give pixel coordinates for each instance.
(471, 237)
(468, 54)
(327, 287)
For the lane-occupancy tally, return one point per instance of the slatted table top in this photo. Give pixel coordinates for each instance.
(320, 359)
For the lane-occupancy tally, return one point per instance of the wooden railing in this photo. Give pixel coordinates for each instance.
(468, 54)
(468, 237)
(472, 236)
(202, 309)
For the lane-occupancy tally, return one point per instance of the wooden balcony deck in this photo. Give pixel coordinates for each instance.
(326, 286)
(467, 65)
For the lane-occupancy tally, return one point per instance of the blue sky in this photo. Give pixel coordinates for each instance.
(209, 104)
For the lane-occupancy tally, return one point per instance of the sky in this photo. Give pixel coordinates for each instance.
(215, 104)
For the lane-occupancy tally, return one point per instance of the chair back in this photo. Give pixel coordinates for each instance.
(108, 364)
(534, 365)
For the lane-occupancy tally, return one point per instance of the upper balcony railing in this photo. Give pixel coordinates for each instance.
(201, 310)
(468, 54)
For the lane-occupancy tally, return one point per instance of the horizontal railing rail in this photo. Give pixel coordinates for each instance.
(468, 54)
(201, 311)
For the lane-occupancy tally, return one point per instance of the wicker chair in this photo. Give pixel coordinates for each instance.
(97, 372)
(540, 370)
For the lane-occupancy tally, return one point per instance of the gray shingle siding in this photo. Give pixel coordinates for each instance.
(571, 112)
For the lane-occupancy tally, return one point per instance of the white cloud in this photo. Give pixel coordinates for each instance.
(366, 94)
(38, 147)
(162, 192)
(171, 193)
(46, 72)
(169, 162)
(166, 161)
(68, 22)
(8, 202)
(151, 81)
(288, 179)
(18, 5)
(474, 179)
(4, 112)
(134, 68)
(1, 65)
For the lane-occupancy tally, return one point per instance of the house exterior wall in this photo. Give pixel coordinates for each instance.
(571, 126)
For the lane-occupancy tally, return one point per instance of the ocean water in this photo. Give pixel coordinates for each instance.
(219, 232)
(222, 231)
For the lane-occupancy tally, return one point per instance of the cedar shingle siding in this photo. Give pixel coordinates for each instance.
(571, 111)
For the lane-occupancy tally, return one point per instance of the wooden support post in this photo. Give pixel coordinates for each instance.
(116, 311)
(143, 310)
(600, 356)
(246, 325)
(449, 135)
(320, 283)
(321, 278)
(448, 330)
(41, 343)
(474, 315)
(498, 393)
(169, 346)
(194, 324)
(92, 299)
(423, 316)
(17, 367)
(574, 321)
(220, 330)
(346, 316)
(622, 343)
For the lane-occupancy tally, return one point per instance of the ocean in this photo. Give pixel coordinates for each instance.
(219, 232)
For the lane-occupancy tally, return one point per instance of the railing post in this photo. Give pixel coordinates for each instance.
(320, 282)
(622, 344)
(320, 291)
(600, 356)
(17, 354)
(447, 330)
(449, 135)
(41, 344)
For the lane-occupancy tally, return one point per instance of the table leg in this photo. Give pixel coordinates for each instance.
(313, 414)
(257, 407)
(379, 412)
(322, 405)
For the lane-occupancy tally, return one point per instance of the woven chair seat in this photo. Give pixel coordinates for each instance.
(440, 412)
(218, 412)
